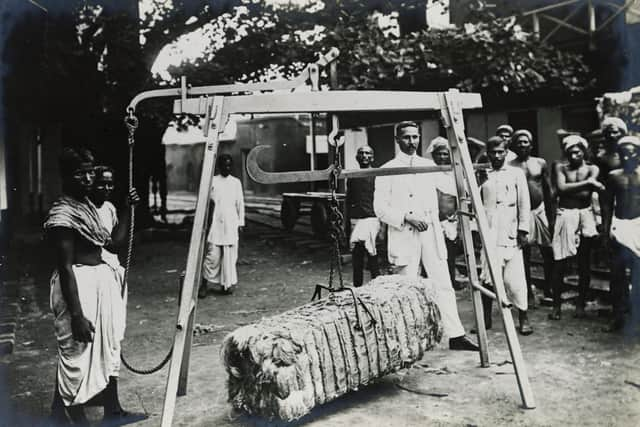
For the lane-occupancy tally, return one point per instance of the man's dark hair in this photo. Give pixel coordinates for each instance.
(495, 141)
(223, 157)
(72, 159)
(406, 124)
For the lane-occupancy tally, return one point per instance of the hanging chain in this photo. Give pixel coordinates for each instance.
(336, 222)
(131, 122)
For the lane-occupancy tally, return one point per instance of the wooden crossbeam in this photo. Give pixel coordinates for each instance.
(331, 101)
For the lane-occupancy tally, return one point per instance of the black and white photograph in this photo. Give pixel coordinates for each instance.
(304, 213)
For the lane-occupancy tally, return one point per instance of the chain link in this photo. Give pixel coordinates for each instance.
(336, 222)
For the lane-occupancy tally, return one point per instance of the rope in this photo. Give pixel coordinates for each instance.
(131, 121)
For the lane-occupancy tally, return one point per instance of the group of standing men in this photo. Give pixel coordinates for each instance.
(527, 203)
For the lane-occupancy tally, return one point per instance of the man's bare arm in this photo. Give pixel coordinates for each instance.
(607, 199)
(64, 245)
(547, 194)
(589, 183)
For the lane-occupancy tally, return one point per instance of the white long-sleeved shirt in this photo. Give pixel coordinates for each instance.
(398, 195)
(505, 196)
(228, 211)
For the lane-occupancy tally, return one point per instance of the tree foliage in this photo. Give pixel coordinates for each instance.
(492, 56)
(95, 55)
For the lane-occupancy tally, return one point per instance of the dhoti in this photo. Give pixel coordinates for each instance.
(509, 259)
(365, 230)
(219, 266)
(539, 232)
(571, 226)
(84, 368)
(627, 233)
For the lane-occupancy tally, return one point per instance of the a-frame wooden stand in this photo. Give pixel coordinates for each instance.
(217, 110)
(471, 206)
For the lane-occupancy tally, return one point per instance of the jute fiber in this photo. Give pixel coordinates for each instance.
(283, 366)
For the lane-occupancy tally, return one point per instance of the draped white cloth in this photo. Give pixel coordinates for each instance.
(84, 368)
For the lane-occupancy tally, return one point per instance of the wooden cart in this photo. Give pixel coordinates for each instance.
(315, 204)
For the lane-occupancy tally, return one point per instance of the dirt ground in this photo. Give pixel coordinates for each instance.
(579, 375)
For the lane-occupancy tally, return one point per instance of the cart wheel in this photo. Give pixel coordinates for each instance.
(320, 220)
(289, 213)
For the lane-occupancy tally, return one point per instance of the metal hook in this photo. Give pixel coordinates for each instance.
(335, 137)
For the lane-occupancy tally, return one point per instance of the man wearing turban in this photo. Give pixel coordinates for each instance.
(621, 220)
(575, 225)
(447, 203)
(542, 209)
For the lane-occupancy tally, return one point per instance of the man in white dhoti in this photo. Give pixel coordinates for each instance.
(542, 208)
(621, 221)
(365, 226)
(408, 204)
(447, 205)
(219, 267)
(505, 196)
(85, 299)
(575, 224)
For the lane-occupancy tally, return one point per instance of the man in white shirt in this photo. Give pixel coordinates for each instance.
(408, 204)
(219, 268)
(505, 196)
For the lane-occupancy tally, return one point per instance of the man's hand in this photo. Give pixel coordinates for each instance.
(597, 185)
(133, 198)
(240, 229)
(82, 329)
(521, 239)
(417, 222)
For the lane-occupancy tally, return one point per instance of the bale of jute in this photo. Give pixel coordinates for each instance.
(283, 366)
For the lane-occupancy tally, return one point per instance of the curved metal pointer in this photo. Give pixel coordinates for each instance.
(264, 177)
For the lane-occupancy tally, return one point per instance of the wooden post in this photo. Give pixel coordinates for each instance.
(181, 352)
(467, 239)
(454, 112)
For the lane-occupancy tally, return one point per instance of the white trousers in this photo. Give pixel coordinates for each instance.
(426, 251)
(219, 267)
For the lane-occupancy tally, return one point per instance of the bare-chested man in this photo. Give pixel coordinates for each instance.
(447, 205)
(607, 157)
(542, 207)
(575, 225)
(623, 227)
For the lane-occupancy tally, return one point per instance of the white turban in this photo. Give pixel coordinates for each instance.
(614, 121)
(633, 140)
(504, 127)
(436, 143)
(572, 140)
(524, 132)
